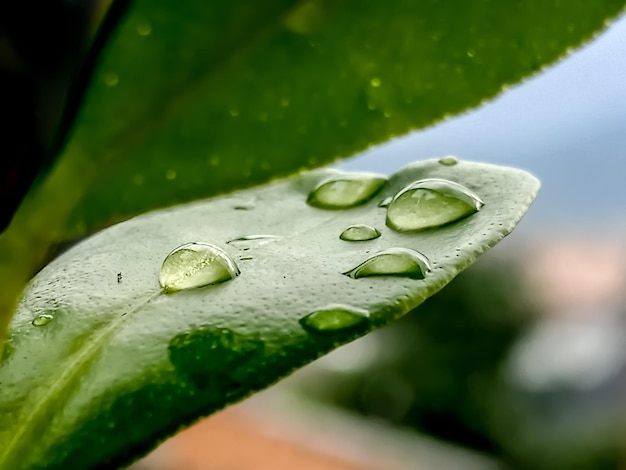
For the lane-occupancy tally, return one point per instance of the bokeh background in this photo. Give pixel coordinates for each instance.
(521, 361)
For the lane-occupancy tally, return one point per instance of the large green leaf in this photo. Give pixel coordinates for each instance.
(192, 99)
(122, 364)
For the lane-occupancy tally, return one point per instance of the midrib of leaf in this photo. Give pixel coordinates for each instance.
(63, 380)
(28, 239)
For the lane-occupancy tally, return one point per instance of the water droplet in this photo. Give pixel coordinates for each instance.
(196, 265)
(304, 18)
(431, 203)
(385, 202)
(42, 319)
(471, 53)
(449, 160)
(334, 317)
(244, 243)
(359, 233)
(252, 237)
(393, 262)
(144, 29)
(375, 82)
(170, 175)
(234, 112)
(347, 190)
(110, 79)
(284, 102)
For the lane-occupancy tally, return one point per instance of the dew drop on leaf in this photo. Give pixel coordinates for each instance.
(42, 319)
(449, 160)
(345, 191)
(196, 265)
(334, 317)
(431, 203)
(251, 240)
(393, 262)
(359, 233)
(144, 29)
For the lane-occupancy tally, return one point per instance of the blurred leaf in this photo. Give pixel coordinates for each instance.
(121, 364)
(42, 50)
(194, 99)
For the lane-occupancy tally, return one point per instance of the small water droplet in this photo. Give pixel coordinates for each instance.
(345, 191)
(375, 82)
(449, 160)
(334, 317)
(234, 112)
(244, 243)
(42, 319)
(252, 237)
(284, 102)
(196, 265)
(144, 29)
(393, 262)
(110, 79)
(431, 203)
(170, 175)
(305, 17)
(359, 233)
(385, 202)
(471, 53)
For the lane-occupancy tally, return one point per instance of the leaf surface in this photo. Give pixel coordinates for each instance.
(122, 364)
(193, 99)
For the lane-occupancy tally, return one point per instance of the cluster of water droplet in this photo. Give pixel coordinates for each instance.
(421, 205)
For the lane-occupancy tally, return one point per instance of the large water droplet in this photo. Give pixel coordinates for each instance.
(345, 191)
(196, 265)
(334, 317)
(359, 233)
(431, 203)
(42, 319)
(449, 160)
(393, 262)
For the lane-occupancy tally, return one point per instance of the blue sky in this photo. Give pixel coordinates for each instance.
(566, 125)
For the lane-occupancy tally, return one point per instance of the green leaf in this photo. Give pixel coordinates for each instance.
(192, 99)
(122, 364)
(198, 98)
